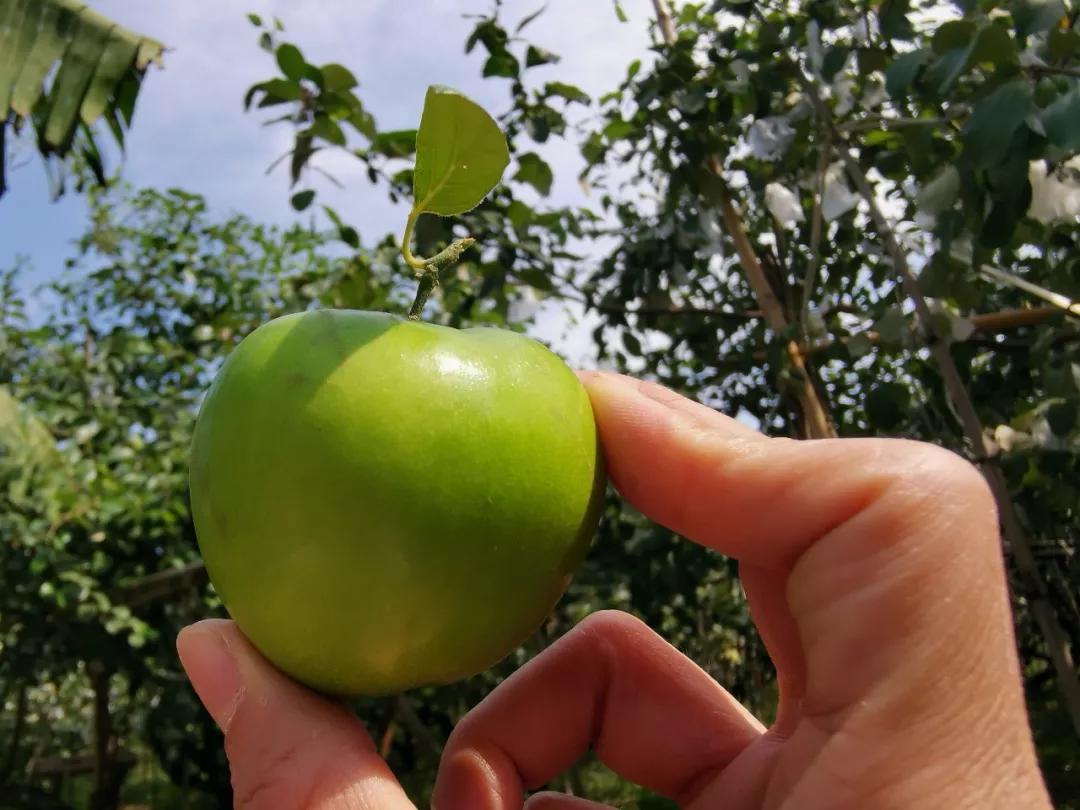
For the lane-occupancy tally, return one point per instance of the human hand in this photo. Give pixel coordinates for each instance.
(874, 574)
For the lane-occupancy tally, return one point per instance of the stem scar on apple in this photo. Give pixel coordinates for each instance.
(460, 156)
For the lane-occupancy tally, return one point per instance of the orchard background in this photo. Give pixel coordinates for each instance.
(826, 218)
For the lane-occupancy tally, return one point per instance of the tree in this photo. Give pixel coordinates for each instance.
(98, 65)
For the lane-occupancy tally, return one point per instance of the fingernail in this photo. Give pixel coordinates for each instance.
(211, 667)
(465, 785)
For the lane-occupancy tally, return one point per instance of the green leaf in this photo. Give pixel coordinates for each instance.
(539, 56)
(993, 121)
(1063, 44)
(72, 80)
(276, 91)
(502, 63)
(116, 60)
(619, 13)
(49, 44)
(618, 129)
(954, 41)
(568, 92)
(328, 130)
(901, 72)
(532, 169)
(337, 77)
(994, 44)
(460, 154)
(538, 128)
(1061, 121)
(255, 19)
(891, 327)
(302, 199)
(398, 143)
(536, 279)
(291, 61)
(520, 214)
(18, 27)
(349, 236)
(302, 152)
(871, 59)
(1036, 16)
(893, 19)
(952, 35)
(858, 346)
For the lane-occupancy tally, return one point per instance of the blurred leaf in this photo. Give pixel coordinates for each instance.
(619, 13)
(994, 44)
(566, 91)
(398, 143)
(460, 154)
(892, 327)
(1061, 121)
(538, 56)
(337, 77)
(302, 199)
(323, 127)
(349, 236)
(993, 121)
(1063, 44)
(893, 19)
(532, 169)
(291, 61)
(901, 72)
(502, 64)
(301, 154)
(1036, 16)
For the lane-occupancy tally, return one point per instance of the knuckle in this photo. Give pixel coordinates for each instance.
(929, 471)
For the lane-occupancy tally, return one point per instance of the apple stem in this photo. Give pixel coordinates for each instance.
(429, 273)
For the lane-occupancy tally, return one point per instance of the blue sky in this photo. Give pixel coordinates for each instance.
(190, 129)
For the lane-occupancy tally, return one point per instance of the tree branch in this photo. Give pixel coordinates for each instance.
(810, 279)
(816, 423)
(663, 19)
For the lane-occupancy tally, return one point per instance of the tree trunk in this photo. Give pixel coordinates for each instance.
(107, 778)
(16, 734)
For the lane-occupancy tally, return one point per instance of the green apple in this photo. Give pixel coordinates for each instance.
(384, 503)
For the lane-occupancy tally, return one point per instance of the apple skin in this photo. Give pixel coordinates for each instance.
(384, 503)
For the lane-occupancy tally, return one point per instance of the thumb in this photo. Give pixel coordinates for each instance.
(287, 746)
